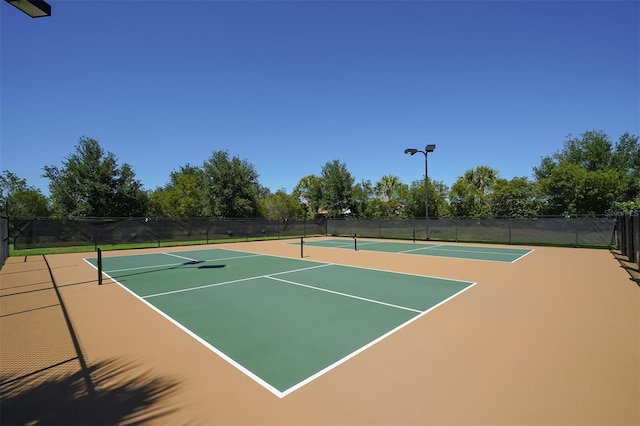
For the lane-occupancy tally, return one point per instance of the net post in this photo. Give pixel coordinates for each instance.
(99, 266)
(355, 242)
(301, 247)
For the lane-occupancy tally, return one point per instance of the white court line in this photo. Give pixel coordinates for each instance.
(345, 245)
(255, 378)
(180, 257)
(367, 346)
(526, 254)
(344, 294)
(471, 251)
(437, 246)
(479, 251)
(206, 344)
(488, 252)
(347, 265)
(420, 248)
(177, 264)
(233, 281)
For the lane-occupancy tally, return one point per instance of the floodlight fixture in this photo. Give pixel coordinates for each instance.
(33, 8)
(427, 149)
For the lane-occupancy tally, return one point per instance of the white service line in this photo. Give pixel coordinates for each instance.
(420, 248)
(344, 294)
(178, 264)
(232, 281)
(180, 257)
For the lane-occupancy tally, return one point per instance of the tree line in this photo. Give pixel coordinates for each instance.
(590, 175)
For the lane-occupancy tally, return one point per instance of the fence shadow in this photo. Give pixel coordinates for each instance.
(630, 267)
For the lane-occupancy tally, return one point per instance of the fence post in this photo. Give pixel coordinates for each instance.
(99, 266)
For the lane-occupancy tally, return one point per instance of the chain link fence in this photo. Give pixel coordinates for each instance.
(574, 232)
(55, 232)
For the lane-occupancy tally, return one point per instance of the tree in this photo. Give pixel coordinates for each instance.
(23, 200)
(184, 196)
(10, 183)
(626, 160)
(337, 189)
(91, 184)
(309, 192)
(571, 190)
(362, 195)
(517, 197)
(588, 175)
(232, 186)
(482, 177)
(591, 152)
(470, 194)
(467, 201)
(415, 199)
(391, 199)
(388, 187)
(281, 206)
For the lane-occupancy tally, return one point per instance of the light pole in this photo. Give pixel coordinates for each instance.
(427, 149)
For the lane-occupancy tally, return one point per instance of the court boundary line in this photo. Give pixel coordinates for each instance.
(179, 257)
(168, 265)
(358, 267)
(420, 248)
(255, 277)
(281, 394)
(352, 296)
(372, 343)
(430, 246)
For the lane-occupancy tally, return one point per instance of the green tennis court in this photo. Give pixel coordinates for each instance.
(494, 254)
(281, 321)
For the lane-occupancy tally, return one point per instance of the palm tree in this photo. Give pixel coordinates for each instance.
(482, 177)
(388, 187)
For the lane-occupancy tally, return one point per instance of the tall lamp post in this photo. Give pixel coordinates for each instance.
(427, 149)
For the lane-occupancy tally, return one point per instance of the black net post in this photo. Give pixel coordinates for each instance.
(99, 266)
(355, 242)
(301, 247)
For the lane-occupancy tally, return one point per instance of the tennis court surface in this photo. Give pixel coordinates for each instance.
(485, 253)
(252, 333)
(258, 312)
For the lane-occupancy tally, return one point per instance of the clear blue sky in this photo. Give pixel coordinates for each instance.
(289, 86)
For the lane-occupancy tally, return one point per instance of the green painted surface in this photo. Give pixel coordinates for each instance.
(496, 254)
(283, 332)
(280, 332)
(411, 291)
(160, 273)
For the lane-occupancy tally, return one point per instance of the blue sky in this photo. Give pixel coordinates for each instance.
(291, 85)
